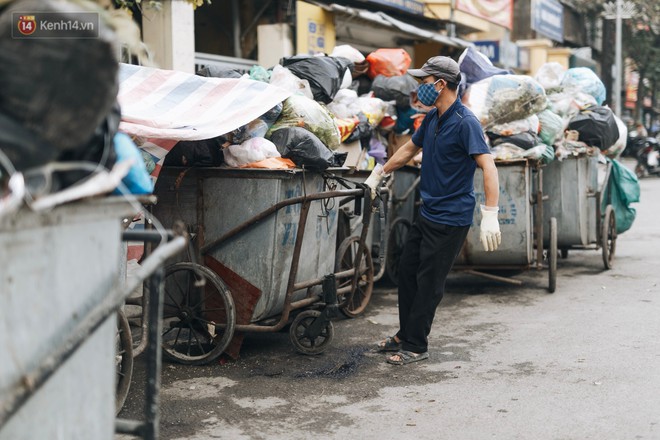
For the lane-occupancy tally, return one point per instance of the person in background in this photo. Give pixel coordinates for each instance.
(453, 145)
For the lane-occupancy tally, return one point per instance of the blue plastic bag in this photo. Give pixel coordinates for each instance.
(476, 66)
(137, 180)
(584, 80)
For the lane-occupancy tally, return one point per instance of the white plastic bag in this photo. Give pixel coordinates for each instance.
(477, 95)
(517, 127)
(282, 77)
(348, 52)
(614, 152)
(550, 75)
(252, 150)
(513, 97)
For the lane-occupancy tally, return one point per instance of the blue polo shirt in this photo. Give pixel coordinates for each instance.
(447, 175)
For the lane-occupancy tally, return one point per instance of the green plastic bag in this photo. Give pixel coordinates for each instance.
(299, 111)
(623, 189)
(551, 127)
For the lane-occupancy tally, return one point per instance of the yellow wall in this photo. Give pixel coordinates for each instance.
(315, 29)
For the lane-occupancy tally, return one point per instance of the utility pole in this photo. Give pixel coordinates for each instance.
(617, 61)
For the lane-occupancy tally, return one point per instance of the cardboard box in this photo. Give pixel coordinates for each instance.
(355, 154)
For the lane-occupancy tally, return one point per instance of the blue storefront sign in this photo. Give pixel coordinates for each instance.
(490, 48)
(548, 19)
(410, 6)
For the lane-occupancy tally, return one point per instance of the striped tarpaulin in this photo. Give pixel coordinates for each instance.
(167, 106)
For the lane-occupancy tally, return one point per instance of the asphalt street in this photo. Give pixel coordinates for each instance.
(506, 362)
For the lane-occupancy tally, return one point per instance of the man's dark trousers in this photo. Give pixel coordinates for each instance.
(427, 258)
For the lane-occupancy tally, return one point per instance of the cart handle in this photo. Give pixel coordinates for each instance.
(283, 204)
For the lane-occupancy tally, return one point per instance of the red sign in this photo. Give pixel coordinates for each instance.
(27, 24)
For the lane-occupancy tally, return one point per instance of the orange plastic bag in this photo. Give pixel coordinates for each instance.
(272, 163)
(388, 62)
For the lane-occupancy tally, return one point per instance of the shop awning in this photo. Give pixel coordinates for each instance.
(387, 21)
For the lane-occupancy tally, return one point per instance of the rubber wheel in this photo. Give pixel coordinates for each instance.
(640, 171)
(552, 257)
(608, 237)
(395, 241)
(198, 314)
(564, 253)
(123, 360)
(304, 343)
(356, 301)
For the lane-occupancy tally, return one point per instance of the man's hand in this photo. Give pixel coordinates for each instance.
(490, 228)
(374, 179)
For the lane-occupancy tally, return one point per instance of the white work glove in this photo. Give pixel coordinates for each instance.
(374, 179)
(490, 228)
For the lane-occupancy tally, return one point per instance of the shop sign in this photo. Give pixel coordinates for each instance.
(548, 19)
(409, 6)
(499, 12)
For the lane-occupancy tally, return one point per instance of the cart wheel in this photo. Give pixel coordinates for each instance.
(302, 341)
(552, 256)
(564, 253)
(198, 314)
(354, 303)
(123, 360)
(608, 237)
(395, 241)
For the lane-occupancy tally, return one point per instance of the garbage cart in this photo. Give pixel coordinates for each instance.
(265, 246)
(578, 190)
(60, 294)
(521, 203)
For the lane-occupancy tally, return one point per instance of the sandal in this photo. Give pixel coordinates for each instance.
(407, 357)
(389, 344)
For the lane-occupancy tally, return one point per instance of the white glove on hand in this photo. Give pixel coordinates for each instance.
(374, 179)
(490, 228)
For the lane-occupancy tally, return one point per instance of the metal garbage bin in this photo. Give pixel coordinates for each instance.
(520, 216)
(576, 187)
(57, 266)
(216, 200)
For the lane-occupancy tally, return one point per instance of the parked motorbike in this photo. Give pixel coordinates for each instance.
(648, 157)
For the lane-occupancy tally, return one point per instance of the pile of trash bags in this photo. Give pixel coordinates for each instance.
(343, 97)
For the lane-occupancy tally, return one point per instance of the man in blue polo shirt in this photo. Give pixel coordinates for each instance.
(453, 145)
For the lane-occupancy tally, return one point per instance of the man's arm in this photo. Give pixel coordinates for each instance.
(401, 157)
(491, 181)
(490, 229)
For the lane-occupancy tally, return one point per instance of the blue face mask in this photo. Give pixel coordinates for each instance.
(427, 94)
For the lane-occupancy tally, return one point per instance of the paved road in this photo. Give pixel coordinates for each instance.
(505, 363)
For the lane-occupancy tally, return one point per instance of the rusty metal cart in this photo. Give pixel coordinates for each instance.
(579, 191)
(521, 222)
(265, 245)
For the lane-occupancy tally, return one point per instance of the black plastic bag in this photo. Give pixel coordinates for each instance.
(204, 153)
(597, 127)
(525, 140)
(218, 72)
(303, 148)
(394, 88)
(362, 131)
(325, 74)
